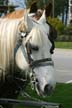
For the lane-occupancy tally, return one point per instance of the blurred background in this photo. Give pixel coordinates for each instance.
(61, 17)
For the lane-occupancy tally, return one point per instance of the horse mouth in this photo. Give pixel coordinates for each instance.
(39, 91)
(48, 90)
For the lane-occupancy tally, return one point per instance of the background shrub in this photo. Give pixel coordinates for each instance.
(68, 30)
(59, 26)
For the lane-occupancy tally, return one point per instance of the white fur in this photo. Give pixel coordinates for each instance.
(44, 26)
(28, 22)
(45, 75)
(42, 20)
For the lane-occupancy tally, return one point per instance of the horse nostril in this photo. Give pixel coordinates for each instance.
(48, 89)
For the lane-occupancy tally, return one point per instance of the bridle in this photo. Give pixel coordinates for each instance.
(34, 63)
(27, 52)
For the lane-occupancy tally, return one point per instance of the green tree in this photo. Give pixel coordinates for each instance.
(1, 2)
(40, 3)
(29, 2)
(61, 8)
(67, 6)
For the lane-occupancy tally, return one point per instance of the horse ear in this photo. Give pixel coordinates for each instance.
(48, 9)
(28, 22)
(43, 18)
(33, 8)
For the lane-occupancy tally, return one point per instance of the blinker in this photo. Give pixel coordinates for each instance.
(31, 47)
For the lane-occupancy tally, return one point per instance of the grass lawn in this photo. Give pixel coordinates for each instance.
(62, 94)
(65, 45)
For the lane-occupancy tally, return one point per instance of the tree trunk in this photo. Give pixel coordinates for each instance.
(63, 15)
(67, 12)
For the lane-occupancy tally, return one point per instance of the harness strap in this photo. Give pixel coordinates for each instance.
(24, 52)
(42, 62)
(17, 46)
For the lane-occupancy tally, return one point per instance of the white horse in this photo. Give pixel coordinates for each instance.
(34, 53)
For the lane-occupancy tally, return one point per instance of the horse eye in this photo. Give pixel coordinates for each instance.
(35, 48)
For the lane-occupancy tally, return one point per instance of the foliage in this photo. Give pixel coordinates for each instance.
(40, 3)
(1, 2)
(61, 9)
(59, 26)
(29, 2)
(63, 45)
(60, 6)
(68, 30)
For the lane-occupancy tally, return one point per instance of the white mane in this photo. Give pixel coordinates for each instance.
(38, 37)
(9, 30)
(8, 38)
(34, 36)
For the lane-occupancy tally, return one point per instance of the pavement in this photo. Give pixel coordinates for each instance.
(63, 65)
(63, 52)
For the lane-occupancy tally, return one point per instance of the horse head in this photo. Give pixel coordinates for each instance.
(34, 55)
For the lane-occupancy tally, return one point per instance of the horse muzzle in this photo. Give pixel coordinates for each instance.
(48, 90)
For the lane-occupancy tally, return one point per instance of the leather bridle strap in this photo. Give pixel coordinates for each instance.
(41, 62)
(37, 63)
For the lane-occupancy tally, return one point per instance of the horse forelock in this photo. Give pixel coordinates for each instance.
(38, 37)
(35, 36)
(8, 37)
